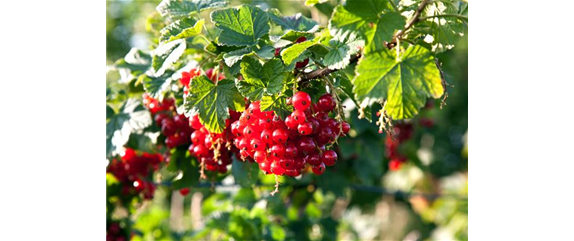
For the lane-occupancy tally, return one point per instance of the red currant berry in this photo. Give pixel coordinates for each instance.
(301, 39)
(302, 64)
(280, 136)
(291, 124)
(318, 170)
(277, 169)
(290, 150)
(313, 159)
(306, 145)
(260, 156)
(292, 172)
(265, 167)
(200, 151)
(267, 136)
(257, 145)
(322, 117)
(168, 127)
(198, 137)
(329, 158)
(298, 116)
(194, 122)
(301, 101)
(305, 128)
(287, 163)
(346, 127)
(326, 103)
(277, 51)
(277, 150)
(184, 191)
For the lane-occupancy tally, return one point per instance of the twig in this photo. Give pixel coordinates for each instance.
(443, 82)
(276, 186)
(316, 74)
(443, 16)
(412, 21)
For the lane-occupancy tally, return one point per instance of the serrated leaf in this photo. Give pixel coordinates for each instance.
(132, 117)
(233, 57)
(338, 57)
(404, 83)
(241, 26)
(183, 28)
(260, 80)
(278, 104)
(136, 60)
(386, 27)
(175, 9)
(157, 86)
(296, 22)
(212, 102)
(166, 54)
(295, 50)
(445, 31)
(372, 20)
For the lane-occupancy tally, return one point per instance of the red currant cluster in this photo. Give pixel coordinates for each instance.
(402, 132)
(115, 232)
(132, 171)
(286, 147)
(211, 149)
(173, 126)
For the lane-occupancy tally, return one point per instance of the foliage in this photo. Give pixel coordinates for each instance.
(389, 61)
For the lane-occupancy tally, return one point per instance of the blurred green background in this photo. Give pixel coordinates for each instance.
(358, 199)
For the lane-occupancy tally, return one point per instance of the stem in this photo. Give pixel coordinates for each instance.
(340, 112)
(394, 5)
(411, 22)
(319, 73)
(444, 16)
(276, 186)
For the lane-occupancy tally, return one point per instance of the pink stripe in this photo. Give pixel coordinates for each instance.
(521, 99)
(520, 109)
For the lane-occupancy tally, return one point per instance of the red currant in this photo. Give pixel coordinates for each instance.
(301, 101)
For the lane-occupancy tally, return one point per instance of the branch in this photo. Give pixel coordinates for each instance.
(316, 74)
(414, 19)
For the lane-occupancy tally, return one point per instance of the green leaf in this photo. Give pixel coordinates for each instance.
(445, 31)
(371, 19)
(295, 22)
(233, 57)
(132, 117)
(175, 9)
(109, 112)
(212, 102)
(166, 54)
(291, 53)
(183, 28)
(405, 83)
(241, 26)
(136, 61)
(157, 86)
(313, 2)
(260, 80)
(278, 104)
(387, 25)
(338, 57)
(245, 174)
